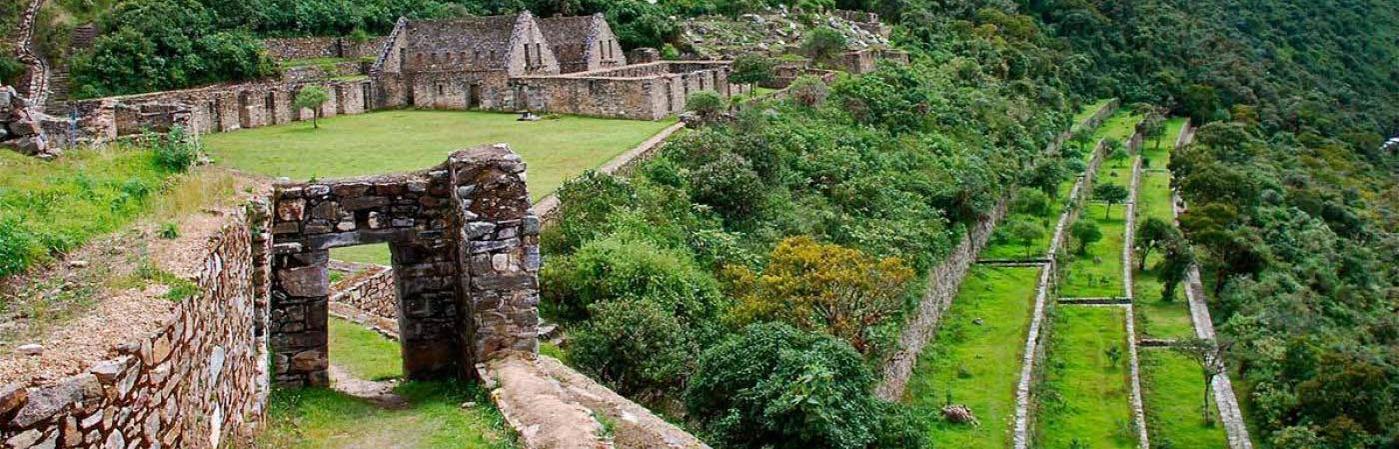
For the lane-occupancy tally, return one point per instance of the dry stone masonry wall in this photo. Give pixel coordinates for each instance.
(194, 384)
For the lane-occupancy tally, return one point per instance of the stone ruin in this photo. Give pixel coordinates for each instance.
(21, 128)
(465, 256)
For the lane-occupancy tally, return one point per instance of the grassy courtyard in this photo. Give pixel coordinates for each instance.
(1172, 390)
(975, 359)
(1086, 400)
(404, 140)
(434, 419)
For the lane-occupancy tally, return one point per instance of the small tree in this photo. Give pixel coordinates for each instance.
(706, 103)
(808, 90)
(752, 68)
(1026, 232)
(1174, 266)
(1153, 127)
(312, 97)
(823, 44)
(1151, 235)
(1211, 355)
(1111, 194)
(1087, 233)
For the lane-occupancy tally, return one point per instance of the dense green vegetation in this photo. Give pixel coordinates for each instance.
(47, 208)
(975, 359)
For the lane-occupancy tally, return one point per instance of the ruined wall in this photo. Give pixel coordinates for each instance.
(642, 92)
(194, 384)
(368, 298)
(210, 109)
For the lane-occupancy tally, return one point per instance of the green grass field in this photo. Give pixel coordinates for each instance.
(1098, 273)
(434, 419)
(1159, 156)
(1086, 395)
(363, 352)
(1172, 390)
(406, 140)
(1088, 111)
(977, 364)
(1158, 318)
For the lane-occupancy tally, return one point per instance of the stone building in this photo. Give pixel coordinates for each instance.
(461, 63)
(583, 43)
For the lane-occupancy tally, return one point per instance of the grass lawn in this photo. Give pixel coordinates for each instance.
(1088, 111)
(1172, 390)
(407, 140)
(1098, 273)
(1003, 246)
(363, 352)
(320, 418)
(977, 365)
(1086, 396)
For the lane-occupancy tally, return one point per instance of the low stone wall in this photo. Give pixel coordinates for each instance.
(369, 298)
(194, 384)
(307, 73)
(943, 282)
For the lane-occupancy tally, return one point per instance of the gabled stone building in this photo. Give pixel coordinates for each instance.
(461, 63)
(583, 43)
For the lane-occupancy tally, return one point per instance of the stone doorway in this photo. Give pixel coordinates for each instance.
(465, 257)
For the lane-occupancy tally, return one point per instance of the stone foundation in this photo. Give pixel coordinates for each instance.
(196, 383)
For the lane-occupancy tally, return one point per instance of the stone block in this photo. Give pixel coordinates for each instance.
(313, 360)
(291, 209)
(305, 281)
(24, 128)
(12, 397)
(364, 202)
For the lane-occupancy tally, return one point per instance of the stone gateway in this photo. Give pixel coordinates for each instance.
(465, 260)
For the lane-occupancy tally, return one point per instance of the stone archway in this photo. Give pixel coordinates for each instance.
(465, 260)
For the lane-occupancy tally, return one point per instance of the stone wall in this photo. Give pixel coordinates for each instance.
(194, 384)
(21, 129)
(368, 298)
(867, 60)
(210, 109)
(465, 252)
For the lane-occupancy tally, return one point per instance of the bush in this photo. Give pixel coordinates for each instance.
(10, 68)
(613, 268)
(823, 44)
(176, 151)
(706, 103)
(585, 203)
(634, 346)
(18, 247)
(1032, 202)
(772, 385)
(752, 68)
(728, 184)
(808, 90)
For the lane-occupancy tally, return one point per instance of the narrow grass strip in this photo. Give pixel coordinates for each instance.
(975, 358)
(1086, 397)
(1174, 393)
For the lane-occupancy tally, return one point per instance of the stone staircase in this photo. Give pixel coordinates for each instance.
(60, 83)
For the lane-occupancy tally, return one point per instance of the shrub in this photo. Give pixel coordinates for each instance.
(612, 268)
(634, 346)
(18, 247)
(752, 68)
(169, 231)
(728, 184)
(823, 44)
(10, 68)
(1086, 232)
(1032, 202)
(808, 90)
(772, 385)
(176, 151)
(706, 103)
(312, 97)
(585, 203)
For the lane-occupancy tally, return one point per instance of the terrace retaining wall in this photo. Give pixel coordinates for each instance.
(197, 382)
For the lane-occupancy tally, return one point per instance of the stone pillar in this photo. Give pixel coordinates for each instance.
(425, 275)
(299, 308)
(501, 252)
